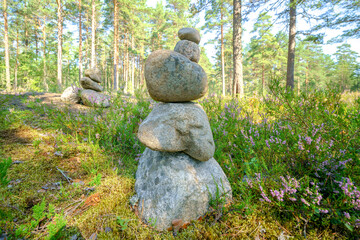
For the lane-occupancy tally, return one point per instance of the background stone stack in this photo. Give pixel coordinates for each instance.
(91, 94)
(177, 175)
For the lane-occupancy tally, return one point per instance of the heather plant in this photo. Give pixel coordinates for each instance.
(298, 153)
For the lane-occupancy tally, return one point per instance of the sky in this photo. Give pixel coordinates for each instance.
(300, 25)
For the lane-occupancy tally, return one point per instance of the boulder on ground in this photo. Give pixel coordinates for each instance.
(175, 127)
(94, 99)
(188, 49)
(87, 83)
(190, 34)
(171, 77)
(172, 186)
(71, 95)
(94, 74)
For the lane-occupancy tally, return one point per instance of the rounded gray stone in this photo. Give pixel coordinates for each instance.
(175, 186)
(189, 49)
(190, 34)
(71, 95)
(171, 77)
(94, 74)
(87, 83)
(94, 99)
(176, 127)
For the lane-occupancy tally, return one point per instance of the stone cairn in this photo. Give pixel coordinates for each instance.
(91, 94)
(177, 175)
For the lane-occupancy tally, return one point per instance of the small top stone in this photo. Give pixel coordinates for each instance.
(190, 34)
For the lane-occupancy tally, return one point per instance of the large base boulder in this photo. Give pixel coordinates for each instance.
(71, 95)
(176, 127)
(94, 99)
(173, 186)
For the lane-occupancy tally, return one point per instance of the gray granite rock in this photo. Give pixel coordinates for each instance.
(190, 34)
(171, 77)
(71, 95)
(174, 186)
(176, 127)
(94, 74)
(94, 99)
(87, 83)
(189, 49)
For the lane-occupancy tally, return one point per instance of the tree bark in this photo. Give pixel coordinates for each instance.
(238, 82)
(80, 42)
(222, 54)
(93, 34)
(116, 28)
(133, 67)
(16, 61)
(291, 49)
(7, 52)
(59, 53)
(44, 57)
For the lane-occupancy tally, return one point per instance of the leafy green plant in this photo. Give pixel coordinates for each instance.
(5, 164)
(41, 213)
(96, 181)
(122, 222)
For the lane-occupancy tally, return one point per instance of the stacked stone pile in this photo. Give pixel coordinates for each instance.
(91, 94)
(177, 175)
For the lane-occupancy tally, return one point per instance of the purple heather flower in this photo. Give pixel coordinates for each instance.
(252, 141)
(305, 202)
(292, 199)
(267, 143)
(324, 210)
(347, 215)
(308, 140)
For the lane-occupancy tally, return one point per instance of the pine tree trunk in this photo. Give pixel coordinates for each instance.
(133, 67)
(116, 28)
(44, 57)
(238, 82)
(222, 56)
(59, 53)
(93, 35)
(7, 52)
(291, 49)
(80, 42)
(16, 61)
(126, 63)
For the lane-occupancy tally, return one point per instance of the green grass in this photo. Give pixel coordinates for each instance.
(292, 161)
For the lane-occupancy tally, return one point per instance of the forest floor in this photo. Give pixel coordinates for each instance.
(68, 179)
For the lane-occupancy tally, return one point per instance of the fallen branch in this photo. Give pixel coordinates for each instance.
(65, 176)
(13, 207)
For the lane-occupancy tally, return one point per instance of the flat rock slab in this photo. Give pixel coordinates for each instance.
(94, 99)
(87, 83)
(172, 77)
(190, 34)
(188, 49)
(94, 74)
(176, 127)
(71, 95)
(173, 186)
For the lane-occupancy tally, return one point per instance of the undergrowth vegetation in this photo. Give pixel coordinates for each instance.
(292, 161)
